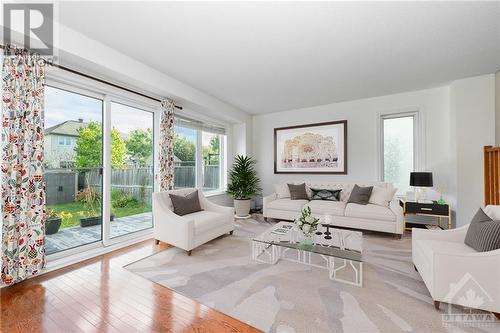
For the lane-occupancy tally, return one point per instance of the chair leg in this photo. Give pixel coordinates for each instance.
(231, 232)
(436, 304)
(189, 252)
(415, 268)
(265, 218)
(157, 241)
(497, 314)
(398, 236)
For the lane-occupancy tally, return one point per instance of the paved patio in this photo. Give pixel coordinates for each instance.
(76, 236)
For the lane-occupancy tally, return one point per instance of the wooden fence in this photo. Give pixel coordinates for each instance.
(491, 175)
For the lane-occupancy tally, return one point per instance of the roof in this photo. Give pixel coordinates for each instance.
(69, 128)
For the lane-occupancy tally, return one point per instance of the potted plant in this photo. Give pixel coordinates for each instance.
(243, 184)
(91, 204)
(52, 222)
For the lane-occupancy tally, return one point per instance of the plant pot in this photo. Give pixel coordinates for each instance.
(112, 217)
(52, 226)
(90, 221)
(242, 207)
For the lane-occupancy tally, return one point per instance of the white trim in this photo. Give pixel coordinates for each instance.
(106, 171)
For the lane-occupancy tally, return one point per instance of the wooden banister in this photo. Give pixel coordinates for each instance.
(491, 175)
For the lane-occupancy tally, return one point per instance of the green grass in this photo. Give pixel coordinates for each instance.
(76, 209)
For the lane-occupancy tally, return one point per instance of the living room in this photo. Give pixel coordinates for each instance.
(250, 166)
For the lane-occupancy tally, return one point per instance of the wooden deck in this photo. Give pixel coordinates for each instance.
(98, 295)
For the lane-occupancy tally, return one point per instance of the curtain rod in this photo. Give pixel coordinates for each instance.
(96, 78)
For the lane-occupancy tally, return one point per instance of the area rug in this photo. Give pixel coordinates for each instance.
(291, 297)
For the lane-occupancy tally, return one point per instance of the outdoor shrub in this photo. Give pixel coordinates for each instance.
(87, 195)
(120, 199)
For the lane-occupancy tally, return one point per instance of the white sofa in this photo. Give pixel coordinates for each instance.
(368, 217)
(450, 268)
(192, 230)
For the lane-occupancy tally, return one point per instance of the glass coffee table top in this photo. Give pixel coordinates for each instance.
(338, 243)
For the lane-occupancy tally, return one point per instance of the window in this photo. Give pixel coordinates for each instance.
(398, 149)
(198, 156)
(61, 140)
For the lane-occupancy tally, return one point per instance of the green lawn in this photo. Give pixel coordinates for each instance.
(72, 212)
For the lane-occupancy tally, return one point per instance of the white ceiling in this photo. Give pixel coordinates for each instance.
(272, 56)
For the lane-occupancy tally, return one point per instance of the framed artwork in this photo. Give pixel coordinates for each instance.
(314, 148)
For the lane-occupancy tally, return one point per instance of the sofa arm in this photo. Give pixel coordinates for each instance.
(400, 219)
(452, 270)
(452, 235)
(171, 228)
(265, 201)
(210, 206)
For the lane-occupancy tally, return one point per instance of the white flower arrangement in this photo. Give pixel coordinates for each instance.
(306, 222)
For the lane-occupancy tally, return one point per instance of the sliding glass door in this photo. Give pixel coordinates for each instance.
(73, 169)
(132, 175)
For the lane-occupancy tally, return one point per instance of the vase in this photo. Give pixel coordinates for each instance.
(306, 240)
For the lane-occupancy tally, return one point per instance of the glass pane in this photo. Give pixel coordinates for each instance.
(211, 161)
(131, 169)
(72, 171)
(398, 152)
(184, 157)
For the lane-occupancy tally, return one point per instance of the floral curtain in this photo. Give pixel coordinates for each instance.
(166, 152)
(23, 186)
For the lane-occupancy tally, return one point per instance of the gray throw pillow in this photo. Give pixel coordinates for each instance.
(298, 192)
(186, 204)
(483, 234)
(360, 195)
(324, 194)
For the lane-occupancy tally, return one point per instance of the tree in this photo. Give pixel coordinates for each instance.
(184, 149)
(140, 145)
(88, 147)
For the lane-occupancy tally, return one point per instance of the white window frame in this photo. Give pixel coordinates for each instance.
(418, 138)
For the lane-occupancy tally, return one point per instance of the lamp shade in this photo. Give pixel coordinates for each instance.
(421, 179)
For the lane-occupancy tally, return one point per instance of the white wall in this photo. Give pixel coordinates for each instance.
(457, 121)
(473, 107)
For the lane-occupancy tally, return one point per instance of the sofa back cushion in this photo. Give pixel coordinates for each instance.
(483, 233)
(186, 204)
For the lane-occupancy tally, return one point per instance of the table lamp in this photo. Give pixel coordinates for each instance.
(421, 180)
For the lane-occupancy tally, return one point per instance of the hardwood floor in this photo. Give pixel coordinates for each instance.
(98, 295)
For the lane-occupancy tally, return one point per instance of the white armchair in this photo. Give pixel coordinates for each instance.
(450, 268)
(192, 230)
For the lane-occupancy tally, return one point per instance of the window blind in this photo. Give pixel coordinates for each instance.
(185, 122)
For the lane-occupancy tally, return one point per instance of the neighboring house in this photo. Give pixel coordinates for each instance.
(60, 141)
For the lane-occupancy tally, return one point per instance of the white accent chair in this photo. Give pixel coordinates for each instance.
(191, 230)
(447, 264)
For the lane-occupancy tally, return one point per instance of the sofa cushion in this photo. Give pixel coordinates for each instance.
(382, 196)
(186, 204)
(360, 195)
(322, 207)
(204, 221)
(483, 233)
(298, 192)
(325, 194)
(429, 247)
(287, 204)
(370, 212)
(282, 190)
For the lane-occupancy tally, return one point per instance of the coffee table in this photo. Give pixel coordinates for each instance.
(339, 254)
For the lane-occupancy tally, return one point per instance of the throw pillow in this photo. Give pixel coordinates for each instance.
(298, 192)
(360, 195)
(324, 194)
(382, 196)
(483, 234)
(186, 204)
(282, 191)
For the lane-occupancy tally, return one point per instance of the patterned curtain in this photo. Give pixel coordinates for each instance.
(166, 155)
(23, 186)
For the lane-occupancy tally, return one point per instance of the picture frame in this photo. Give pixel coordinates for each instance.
(319, 148)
